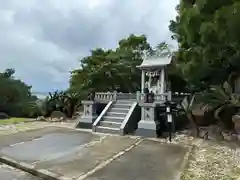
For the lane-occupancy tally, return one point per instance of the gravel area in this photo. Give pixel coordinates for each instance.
(211, 160)
(13, 128)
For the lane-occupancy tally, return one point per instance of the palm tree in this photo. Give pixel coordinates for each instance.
(72, 102)
(187, 106)
(224, 101)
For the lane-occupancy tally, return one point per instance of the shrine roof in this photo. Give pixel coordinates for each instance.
(155, 62)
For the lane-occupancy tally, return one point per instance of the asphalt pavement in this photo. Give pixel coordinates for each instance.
(83, 155)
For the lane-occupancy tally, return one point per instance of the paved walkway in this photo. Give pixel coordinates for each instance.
(9, 173)
(208, 158)
(63, 152)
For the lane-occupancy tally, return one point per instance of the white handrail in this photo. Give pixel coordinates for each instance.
(108, 96)
(113, 96)
(101, 116)
(126, 119)
(157, 97)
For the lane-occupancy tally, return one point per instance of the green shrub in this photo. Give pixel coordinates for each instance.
(224, 102)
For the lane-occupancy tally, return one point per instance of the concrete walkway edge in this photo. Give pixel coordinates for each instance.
(28, 168)
(188, 155)
(185, 162)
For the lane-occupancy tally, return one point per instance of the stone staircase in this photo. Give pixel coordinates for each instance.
(114, 117)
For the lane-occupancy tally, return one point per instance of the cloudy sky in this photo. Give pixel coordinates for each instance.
(44, 39)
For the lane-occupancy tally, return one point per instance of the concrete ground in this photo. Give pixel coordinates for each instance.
(68, 153)
(9, 173)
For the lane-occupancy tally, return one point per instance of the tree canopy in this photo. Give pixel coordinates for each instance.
(15, 95)
(111, 69)
(106, 70)
(207, 33)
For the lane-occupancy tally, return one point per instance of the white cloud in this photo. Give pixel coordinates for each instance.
(43, 39)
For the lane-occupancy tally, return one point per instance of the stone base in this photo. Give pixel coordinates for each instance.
(84, 125)
(146, 129)
(85, 122)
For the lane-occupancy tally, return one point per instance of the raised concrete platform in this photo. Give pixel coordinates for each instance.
(61, 153)
(146, 129)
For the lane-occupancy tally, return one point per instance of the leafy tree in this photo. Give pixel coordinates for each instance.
(64, 101)
(207, 33)
(15, 95)
(8, 73)
(187, 106)
(107, 70)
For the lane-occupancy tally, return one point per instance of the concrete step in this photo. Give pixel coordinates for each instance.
(109, 130)
(113, 119)
(124, 102)
(116, 114)
(119, 110)
(118, 105)
(110, 124)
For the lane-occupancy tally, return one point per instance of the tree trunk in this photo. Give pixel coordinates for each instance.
(220, 123)
(193, 124)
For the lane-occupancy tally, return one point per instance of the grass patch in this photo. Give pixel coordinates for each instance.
(13, 120)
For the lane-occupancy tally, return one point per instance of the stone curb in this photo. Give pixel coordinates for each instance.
(190, 148)
(42, 173)
(185, 162)
(186, 159)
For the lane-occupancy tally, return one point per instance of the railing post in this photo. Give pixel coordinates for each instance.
(169, 96)
(138, 96)
(114, 95)
(89, 115)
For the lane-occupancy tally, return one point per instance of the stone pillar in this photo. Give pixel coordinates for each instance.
(147, 125)
(114, 96)
(162, 81)
(158, 86)
(149, 82)
(89, 115)
(138, 96)
(143, 82)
